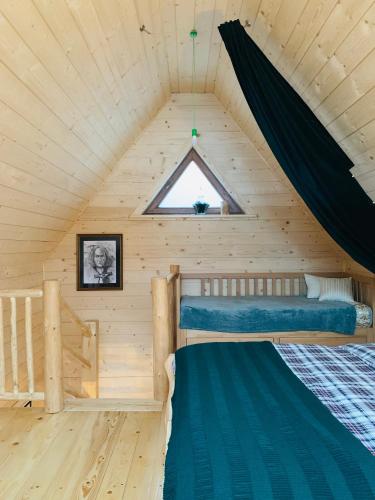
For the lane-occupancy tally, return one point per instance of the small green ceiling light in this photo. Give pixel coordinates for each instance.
(193, 33)
(194, 136)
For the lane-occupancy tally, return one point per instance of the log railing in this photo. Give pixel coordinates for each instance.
(11, 297)
(53, 394)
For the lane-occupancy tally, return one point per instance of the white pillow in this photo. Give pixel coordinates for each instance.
(313, 286)
(336, 289)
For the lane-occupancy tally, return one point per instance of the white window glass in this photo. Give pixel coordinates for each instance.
(192, 186)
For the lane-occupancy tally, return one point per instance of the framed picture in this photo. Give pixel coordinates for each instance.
(99, 261)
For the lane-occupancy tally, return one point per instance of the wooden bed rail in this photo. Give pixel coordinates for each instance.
(165, 293)
(268, 284)
(53, 394)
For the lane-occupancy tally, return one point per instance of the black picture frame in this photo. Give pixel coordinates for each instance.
(99, 262)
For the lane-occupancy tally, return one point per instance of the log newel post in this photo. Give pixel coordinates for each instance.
(53, 361)
(165, 294)
(161, 324)
(174, 268)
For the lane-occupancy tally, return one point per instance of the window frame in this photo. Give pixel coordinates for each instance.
(154, 209)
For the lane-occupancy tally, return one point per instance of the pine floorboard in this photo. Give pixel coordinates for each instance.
(80, 455)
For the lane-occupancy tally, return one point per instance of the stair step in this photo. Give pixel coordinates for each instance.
(106, 404)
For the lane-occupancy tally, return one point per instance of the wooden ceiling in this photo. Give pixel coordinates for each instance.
(80, 80)
(326, 50)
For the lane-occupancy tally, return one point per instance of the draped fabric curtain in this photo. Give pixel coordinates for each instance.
(312, 160)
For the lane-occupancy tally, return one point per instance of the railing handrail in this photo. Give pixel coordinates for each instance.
(171, 276)
(33, 293)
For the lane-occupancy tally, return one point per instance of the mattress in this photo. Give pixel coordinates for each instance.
(245, 426)
(271, 314)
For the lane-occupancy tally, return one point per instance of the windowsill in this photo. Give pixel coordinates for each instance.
(193, 217)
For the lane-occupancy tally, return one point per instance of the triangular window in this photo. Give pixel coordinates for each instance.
(192, 181)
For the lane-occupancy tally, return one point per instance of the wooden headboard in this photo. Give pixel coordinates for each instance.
(166, 295)
(267, 284)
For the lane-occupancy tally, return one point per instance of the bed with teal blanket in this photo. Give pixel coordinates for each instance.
(269, 314)
(244, 426)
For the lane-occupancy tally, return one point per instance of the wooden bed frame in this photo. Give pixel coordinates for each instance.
(166, 295)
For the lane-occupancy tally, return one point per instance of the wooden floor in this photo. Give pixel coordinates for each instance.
(80, 455)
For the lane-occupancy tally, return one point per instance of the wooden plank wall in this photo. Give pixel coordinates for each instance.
(276, 234)
(72, 97)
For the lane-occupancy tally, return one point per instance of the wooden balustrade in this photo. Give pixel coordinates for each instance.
(238, 284)
(54, 347)
(12, 297)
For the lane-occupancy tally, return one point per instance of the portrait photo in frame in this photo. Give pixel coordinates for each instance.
(99, 262)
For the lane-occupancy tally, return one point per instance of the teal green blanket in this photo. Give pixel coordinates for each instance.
(245, 427)
(266, 314)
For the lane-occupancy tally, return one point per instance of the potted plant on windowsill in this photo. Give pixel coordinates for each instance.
(200, 207)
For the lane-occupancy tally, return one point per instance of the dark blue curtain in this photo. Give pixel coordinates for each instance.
(313, 161)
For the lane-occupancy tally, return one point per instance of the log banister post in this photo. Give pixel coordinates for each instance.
(162, 334)
(29, 344)
(174, 269)
(14, 343)
(165, 295)
(53, 361)
(2, 354)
